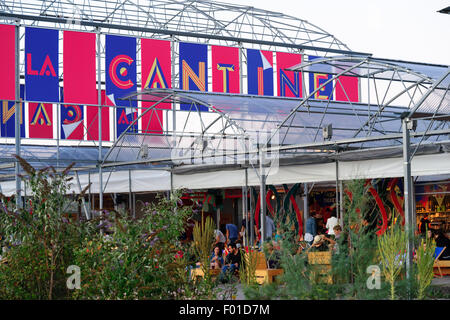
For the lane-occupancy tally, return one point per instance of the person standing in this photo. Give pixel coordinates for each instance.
(251, 231)
(424, 224)
(311, 228)
(220, 239)
(232, 233)
(270, 228)
(331, 222)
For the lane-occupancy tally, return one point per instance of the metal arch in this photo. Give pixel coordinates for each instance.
(423, 99)
(430, 90)
(358, 62)
(165, 15)
(131, 125)
(171, 93)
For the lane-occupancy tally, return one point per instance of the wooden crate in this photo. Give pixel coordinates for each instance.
(262, 273)
(322, 257)
(198, 273)
(321, 274)
(441, 267)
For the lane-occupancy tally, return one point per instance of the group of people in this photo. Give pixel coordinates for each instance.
(231, 242)
(320, 238)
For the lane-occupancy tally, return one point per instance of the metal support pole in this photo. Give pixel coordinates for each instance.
(134, 205)
(99, 97)
(24, 196)
(171, 182)
(218, 218)
(114, 197)
(174, 109)
(18, 114)
(337, 188)
(130, 194)
(305, 205)
(245, 208)
(262, 190)
(252, 219)
(408, 200)
(86, 211)
(341, 204)
(89, 194)
(241, 90)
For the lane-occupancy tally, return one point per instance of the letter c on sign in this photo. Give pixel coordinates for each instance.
(113, 66)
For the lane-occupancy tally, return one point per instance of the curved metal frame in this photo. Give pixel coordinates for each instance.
(422, 80)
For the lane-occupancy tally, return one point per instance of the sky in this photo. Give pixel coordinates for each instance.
(410, 30)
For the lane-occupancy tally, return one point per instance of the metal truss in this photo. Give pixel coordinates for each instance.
(387, 89)
(189, 21)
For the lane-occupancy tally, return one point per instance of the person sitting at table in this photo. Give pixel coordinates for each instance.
(319, 243)
(232, 262)
(442, 241)
(273, 259)
(216, 259)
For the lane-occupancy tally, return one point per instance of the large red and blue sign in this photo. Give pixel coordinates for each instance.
(41, 65)
(260, 72)
(318, 80)
(121, 80)
(72, 120)
(8, 62)
(289, 82)
(92, 120)
(40, 123)
(80, 84)
(156, 73)
(8, 116)
(193, 70)
(225, 69)
(79, 95)
(347, 89)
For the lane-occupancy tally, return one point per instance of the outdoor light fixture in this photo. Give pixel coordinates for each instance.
(143, 151)
(327, 131)
(412, 125)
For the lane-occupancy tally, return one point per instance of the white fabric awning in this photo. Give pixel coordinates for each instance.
(159, 180)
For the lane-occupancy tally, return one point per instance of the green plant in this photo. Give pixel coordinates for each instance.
(392, 249)
(203, 241)
(425, 261)
(248, 267)
(40, 238)
(357, 244)
(137, 258)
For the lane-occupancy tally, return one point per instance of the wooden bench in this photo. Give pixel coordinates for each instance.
(321, 266)
(198, 273)
(441, 267)
(262, 273)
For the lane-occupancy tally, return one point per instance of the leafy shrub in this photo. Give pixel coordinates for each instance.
(137, 258)
(40, 239)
